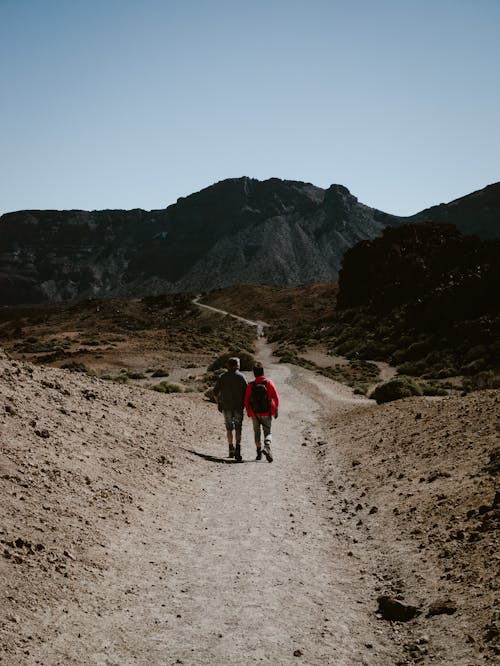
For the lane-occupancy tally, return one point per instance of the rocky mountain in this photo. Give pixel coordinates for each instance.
(239, 230)
(477, 213)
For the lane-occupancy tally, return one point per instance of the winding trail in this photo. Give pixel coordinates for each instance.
(234, 564)
(258, 324)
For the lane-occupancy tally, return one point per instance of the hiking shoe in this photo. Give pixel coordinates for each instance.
(237, 453)
(231, 451)
(267, 453)
(259, 455)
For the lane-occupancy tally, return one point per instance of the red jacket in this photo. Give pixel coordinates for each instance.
(271, 392)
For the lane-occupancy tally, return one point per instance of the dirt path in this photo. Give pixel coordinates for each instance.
(258, 324)
(234, 563)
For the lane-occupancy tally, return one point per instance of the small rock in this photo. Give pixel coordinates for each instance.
(373, 510)
(44, 434)
(297, 653)
(391, 609)
(442, 607)
(438, 475)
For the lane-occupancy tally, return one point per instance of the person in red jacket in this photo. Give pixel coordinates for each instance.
(261, 403)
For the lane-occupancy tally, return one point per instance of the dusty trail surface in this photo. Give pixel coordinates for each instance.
(154, 548)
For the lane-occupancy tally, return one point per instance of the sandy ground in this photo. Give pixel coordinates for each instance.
(129, 538)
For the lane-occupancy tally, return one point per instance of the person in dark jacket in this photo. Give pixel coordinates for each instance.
(229, 393)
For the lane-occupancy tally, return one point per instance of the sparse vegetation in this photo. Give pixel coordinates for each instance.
(395, 389)
(136, 375)
(247, 360)
(167, 387)
(73, 366)
(160, 372)
(483, 380)
(135, 333)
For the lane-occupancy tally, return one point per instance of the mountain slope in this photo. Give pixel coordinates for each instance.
(239, 230)
(477, 213)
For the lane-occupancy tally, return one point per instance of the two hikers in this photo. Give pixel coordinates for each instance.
(259, 398)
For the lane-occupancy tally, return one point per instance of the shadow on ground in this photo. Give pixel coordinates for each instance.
(226, 461)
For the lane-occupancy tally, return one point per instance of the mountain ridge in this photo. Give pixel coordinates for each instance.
(237, 230)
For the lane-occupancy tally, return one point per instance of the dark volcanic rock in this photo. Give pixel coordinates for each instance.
(442, 607)
(392, 609)
(439, 273)
(239, 230)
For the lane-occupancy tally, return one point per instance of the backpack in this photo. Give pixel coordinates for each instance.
(259, 399)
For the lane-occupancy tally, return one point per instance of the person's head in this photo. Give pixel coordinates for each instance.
(233, 363)
(258, 369)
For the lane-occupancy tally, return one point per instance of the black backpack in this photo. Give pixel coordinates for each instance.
(259, 400)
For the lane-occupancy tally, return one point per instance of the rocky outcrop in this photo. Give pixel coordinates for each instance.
(239, 230)
(437, 273)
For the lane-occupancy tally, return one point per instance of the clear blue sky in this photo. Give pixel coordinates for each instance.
(134, 103)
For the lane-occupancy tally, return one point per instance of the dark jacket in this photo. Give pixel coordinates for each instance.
(230, 390)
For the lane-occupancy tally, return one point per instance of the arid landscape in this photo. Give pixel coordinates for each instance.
(313, 189)
(128, 536)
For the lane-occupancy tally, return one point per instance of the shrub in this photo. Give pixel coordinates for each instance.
(395, 389)
(287, 355)
(136, 375)
(473, 367)
(160, 372)
(414, 368)
(444, 372)
(209, 395)
(166, 387)
(73, 366)
(478, 351)
(372, 350)
(484, 380)
(366, 368)
(246, 360)
(348, 347)
(431, 390)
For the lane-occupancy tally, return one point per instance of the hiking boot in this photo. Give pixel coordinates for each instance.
(267, 453)
(231, 451)
(237, 453)
(259, 454)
